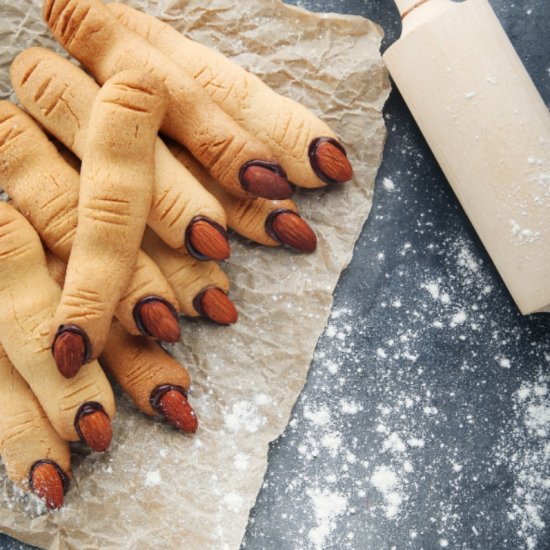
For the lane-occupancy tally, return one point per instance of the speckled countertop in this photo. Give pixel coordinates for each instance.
(425, 422)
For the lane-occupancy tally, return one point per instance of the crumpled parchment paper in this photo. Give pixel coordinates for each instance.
(156, 487)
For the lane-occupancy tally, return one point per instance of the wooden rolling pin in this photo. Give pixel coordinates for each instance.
(488, 128)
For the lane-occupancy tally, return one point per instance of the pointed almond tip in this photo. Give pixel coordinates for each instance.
(266, 180)
(214, 304)
(173, 405)
(70, 350)
(329, 160)
(156, 317)
(291, 229)
(94, 427)
(46, 482)
(207, 240)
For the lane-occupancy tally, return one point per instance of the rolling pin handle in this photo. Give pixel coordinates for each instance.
(406, 6)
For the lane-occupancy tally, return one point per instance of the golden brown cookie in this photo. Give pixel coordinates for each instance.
(238, 160)
(59, 95)
(306, 147)
(116, 183)
(154, 381)
(45, 189)
(35, 456)
(78, 408)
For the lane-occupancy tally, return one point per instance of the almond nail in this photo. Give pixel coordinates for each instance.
(266, 180)
(70, 349)
(48, 482)
(214, 304)
(329, 160)
(156, 317)
(171, 402)
(94, 427)
(291, 229)
(207, 240)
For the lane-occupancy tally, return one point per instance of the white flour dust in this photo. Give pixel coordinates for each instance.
(153, 478)
(524, 235)
(388, 184)
(401, 448)
(525, 450)
(327, 506)
(387, 482)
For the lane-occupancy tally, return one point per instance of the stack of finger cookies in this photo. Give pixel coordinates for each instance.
(226, 166)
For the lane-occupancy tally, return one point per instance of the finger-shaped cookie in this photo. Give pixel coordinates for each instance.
(306, 147)
(116, 182)
(267, 222)
(155, 382)
(60, 96)
(80, 407)
(45, 189)
(201, 287)
(34, 455)
(237, 159)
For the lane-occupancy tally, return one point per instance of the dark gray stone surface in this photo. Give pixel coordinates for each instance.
(425, 421)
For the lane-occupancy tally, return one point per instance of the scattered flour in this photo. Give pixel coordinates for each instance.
(349, 407)
(327, 506)
(434, 288)
(458, 318)
(524, 235)
(525, 451)
(262, 399)
(409, 457)
(467, 260)
(241, 462)
(387, 482)
(319, 416)
(388, 184)
(233, 501)
(153, 478)
(332, 441)
(415, 442)
(244, 415)
(394, 444)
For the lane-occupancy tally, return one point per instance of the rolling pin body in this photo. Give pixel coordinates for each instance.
(488, 128)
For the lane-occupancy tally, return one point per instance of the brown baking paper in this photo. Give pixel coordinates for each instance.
(156, 487)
